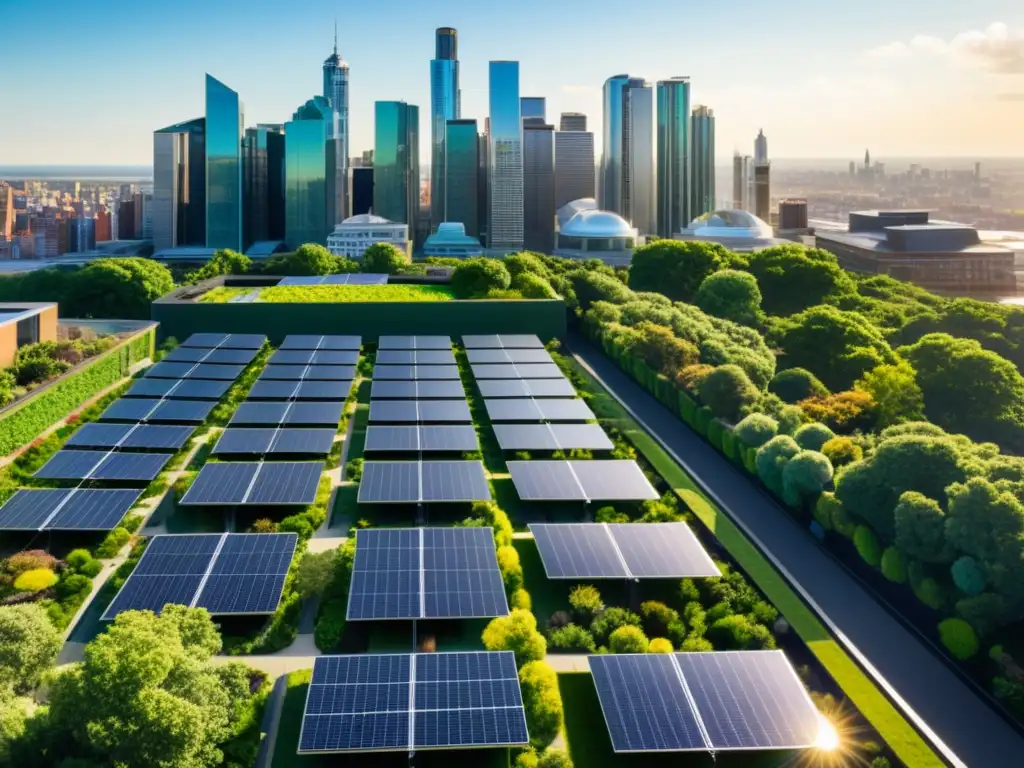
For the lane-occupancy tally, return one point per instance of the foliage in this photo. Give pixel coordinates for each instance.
(676, 268)
(29, 644)
(657, 617)
(609, 620)
(315, 573)
(307, 259)
(727, 390)
(384, 258)
(571, 638)
(958, 637)
(866, 542)
(35, 580)
(477, 276)
(628, 639)
(28, 560)
(842, 451)
(895, 391)
(790, 417)
(842, 412)
(732, 295)
(756, 429)
(554, 758)
(661, 350)
(223, 262)
(511, 570)
(894, 565)
(586, 603)
(968, 575)
(772, 458)
(542, 702)
(689, 377)
(738, 632)
(329, 294)
(591, 287)
(805, 475)
(985, 612)
(796, 384)
(812, 436)
(330, 622)
(520, 599)
(526, 263)
(533, 287)
(118, 288)
(518, 633)
(113, 542)
(792, 278)
(659, 645)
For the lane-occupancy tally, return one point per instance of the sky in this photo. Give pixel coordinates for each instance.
(907, 78)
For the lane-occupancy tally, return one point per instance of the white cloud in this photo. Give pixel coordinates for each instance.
(996, 49)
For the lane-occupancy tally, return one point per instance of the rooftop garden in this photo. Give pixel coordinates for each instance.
(37, 364)
(302, 294)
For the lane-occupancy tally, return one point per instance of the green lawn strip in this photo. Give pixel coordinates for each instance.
(398, 292)
(290, 726)
(547, 596)
(901, 737)
(222, 294)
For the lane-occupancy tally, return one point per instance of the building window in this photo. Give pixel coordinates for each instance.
(28, 331)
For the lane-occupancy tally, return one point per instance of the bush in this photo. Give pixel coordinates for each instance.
(35, 580)
(554, 758)
(511, 570)
(478, 276)
(571, 638)
(70, 586)
(29, 560)
(737, 632)
(542, 702)
(790, 418)
(520, 599)
(610, 515)
(894, 565)
(533, 287)
(628, 639)
(842, 451)
(297, 524)
(696, 644)
(756, 430)
(985, 612)
(657, 617)
(842, 412)
(731, 295)
(959, 638)
(866, 542)
(586, 603)
(354, 470)
(689, 377)
(384, 258)
(969, 577)
(772, 458)
(611, 619)
(29, 645)
(727, 390)
(518, 633)
(113, 542)
(659, 645)
(796, 384)
(811, 437)
(931, 593)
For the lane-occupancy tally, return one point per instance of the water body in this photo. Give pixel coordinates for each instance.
(107, 173)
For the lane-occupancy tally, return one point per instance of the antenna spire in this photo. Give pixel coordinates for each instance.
(335, 37)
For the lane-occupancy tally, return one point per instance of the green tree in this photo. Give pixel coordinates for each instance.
(14, 712)
(811, 437)
(662, 350)
(526, 263)
(842, 451)
(984, 522)
(315, 573)
(796, 384)
(676, 268)
(732, 295)
(518, 633)
(628, 639)
(894, 389)
(384, 258)
(611, 619)
(792, 278)
(591, 287)
(772, 458)
(542, 702)
(121, 288)
(968, 575)
(727, 390)
(533, 286)
(805, 476)
(921, 528)
(29, 644)
(737, 632)
(756, 429)
(478, 276)
(585, 602)
(959, 638)
(223, 262)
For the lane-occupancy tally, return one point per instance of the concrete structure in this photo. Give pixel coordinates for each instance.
(25, 323)
(224, 129)
(336, 86)
(587, 233)
(792, 215)
(736, 230)
(906, 245)
(538, 187)
(451, 241)
(574, 165)
(702, 166)
(355, 234)
(445, 103)
(505, 159)
(572, 121)
(627, 183)
(673, 198)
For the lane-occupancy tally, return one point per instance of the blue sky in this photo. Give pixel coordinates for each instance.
(905, 77)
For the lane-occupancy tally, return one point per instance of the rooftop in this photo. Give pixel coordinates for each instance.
(12, 312)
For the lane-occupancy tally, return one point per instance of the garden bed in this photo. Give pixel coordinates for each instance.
(306, 294)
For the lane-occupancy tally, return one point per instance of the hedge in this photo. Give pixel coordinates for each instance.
(959, 638)
(24, 421)
(866, 542)
(894, 565)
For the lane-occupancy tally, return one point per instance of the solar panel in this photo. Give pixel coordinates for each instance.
(314, 413)
(283, 372)
(412, 372)
(222, 356)
(165, 370)
(189, 389)
(259, 413)
(517, 371)
(545, 481)
(547, 409)
(262, 483)
(613, 480)
(221, 483)
(552, 437)
(95, 465)
(398, 482)
(420, 411)
(500, 356)
(314, 442)
(421, 439)
(309, 372)
(367, 279)
(414, 342)
(386, 572)
(139, 409)
(34, 509)
(412, 390)
(301, 280)
(322, 342)
(415, 357)
(245, 441)
(225, 341)
(206, 340)
(505, 340)
(31, 509)
(96, 435)
(268, 389)
(403, 702)
(578, 551)
(314, 357)
(526, 388)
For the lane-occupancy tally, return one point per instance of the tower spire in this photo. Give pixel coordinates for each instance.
(335, 37)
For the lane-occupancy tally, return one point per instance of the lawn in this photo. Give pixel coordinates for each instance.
(327, 294)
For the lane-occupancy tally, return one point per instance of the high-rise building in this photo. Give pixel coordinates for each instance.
(533, 110)
(505, 165)
(81, 234)
(314, 184)
(538, 187)
(853, 168)
(396, 162)
(741, 181)
(793, 214)
(263, 183)
(6, 210)
(673, 156)
(179, 188)
(760, 148)
(572, 121)
(336, 79)
(462, 164)
(362, 190)
(762, 192)
(574, 166)
(126, 220)
(483, 181)
(102, 231)
(702, 179)
(627, 161)
(223, 166)
(444, 106)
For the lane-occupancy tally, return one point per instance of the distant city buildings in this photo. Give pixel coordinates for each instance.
(445, 101)
(314, 180)
(362, 189)
(505, 159)
(702, 167)
(452, 241)
(674, 170)
(462, 166)
(179, 188)
(355, 234)
(336, 87)
(572, 121)
(538, 186)
(533, 110)
(224, 128)
(396, 166)
(574, 163)
(263, 180)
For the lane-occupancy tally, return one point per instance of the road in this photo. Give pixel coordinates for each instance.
(977, 734)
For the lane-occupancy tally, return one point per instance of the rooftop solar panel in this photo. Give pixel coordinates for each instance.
(313, 442)
(283, 372)
(414, 342)
(165, 370)
(413, 372)
(225, 341)
(324, 390)
(413, 439)
(36, 509)
(256, 483)
(400, 482)
(280, 482)
(140, 409)
(314, 413)
(493, 388)
(309, 372)
(259, 413)
(613, 480)
(499, 356)
(545, 409)
(415, 357)
(420, 411)
(270, 389)
(365, 278)
(394, 411)
(322, 342)
(578, 551)
(206, 340)
(221, 356)
(245, 441)
(301, 280)
(517, 371)
(188, 389)
(151, 436)
(552, 437)
(314, 357)
(221, 483)
(386, 572)
(412, 390)
(545, 481)
(96, 465)
(503, 341)
(31, 509)
(386, 438)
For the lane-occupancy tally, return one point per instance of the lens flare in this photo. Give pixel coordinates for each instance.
(828, 737)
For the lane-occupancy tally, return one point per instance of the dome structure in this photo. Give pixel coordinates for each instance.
(597, 224)
(730, 223)
(573, 207)
(584, 232)
(366, 218)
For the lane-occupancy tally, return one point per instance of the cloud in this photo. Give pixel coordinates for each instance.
(1010, 97)
(996, 49)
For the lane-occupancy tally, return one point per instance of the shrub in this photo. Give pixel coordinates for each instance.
(518, 633)
(866, 542)
(738, 632)
(78, 559)
(533, 287)
(959, 638)
(610, 515)
(542, 702)
(796, 384)
(527, 759)
(731, 295)
(772, 458)
(75, 584)
(628, 639)
(842, 451)
(657, 617)
(823, 510)
(511, 570)
(727, 390)
(842, 412)
(354, 470)
(113, 542)
(756, 429)
(985, 612)
(690, 377)
(696, 644)
(659, 645)
(931, 593)
(29, 645)
(920, 526)
(554, 758)
(811, 437)
(297, 524)
(611, 619)
(384, 258)
(790, 418)
(571, 638)
(586, 603)
(35, 580)
(520, 599)
(29, 560)
(969, 577)
(894, 565)
(805, 475)
(478, 276)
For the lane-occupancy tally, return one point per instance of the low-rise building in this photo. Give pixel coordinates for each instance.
(355, 234)
(451, 241)
(22, 324)
(584, 232)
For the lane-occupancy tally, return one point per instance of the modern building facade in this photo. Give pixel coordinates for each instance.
(742, 174)
(627, 183)
(81, 234)
(362, 190)
(179, 188)
(760, 148)
(702, 166)
(572, 121)
(673, 155)
(336, 81)
(762, 191)
(22, 324)
(444, 106)
(505, 166)
(462, 165)
(263, 184)
(313, 180)
(6, 210)
(793, 214)
(355, 234)
(574, 166)
(224, 123)
(452, 241)
(538, 187)
(739, 231)
(396, 162)
(533, 110)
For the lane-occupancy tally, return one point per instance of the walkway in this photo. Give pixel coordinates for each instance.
(976, 733)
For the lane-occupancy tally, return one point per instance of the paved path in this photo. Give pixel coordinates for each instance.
(977, 734)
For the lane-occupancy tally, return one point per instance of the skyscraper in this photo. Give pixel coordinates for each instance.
(263, 183)
(539, 187)
(444, 106)
(760, 148)
(223, 166)
(627, 160)
(396, 162)
(762, 191)
(313, 179)
(702, 185)
(673, 155)
(533, 110)
(574, 166)
(6, 210)
(462, 163)
(179, 186)
(505, 228)
(572, 121)
(336, 76)
(741, 175)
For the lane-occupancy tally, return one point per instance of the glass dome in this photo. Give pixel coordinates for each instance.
(597, 224)
(730, 223)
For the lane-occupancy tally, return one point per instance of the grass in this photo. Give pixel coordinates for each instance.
(901, 737)
(222, 295)
(324, 294)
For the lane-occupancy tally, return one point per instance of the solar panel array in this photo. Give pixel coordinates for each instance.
(138, 409)
(96, 465)
(546, 409)
(728, 700)
(406, 702)
(308, 373)
(414, 342)
(151, 436)
(415, 372)
(420, 411)
(225, 340)
(315, 357)
(269, 389)
(315, 442)
(425, 573)
(288, 412)
(417, 482)
(167, 370)
(349, 279)
(506, 356)
(300, 341)
(621, 551)
(205, 355)
(597, 480)
(189, 389)
(503, 341)
(415, 357)
(552, 437)
(255, 483)
(402, 390)
(493, 388)
(517, 371)
(81, 509)
(226, 573)
(420, 439)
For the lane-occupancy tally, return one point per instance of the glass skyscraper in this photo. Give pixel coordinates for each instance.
(313, 181)
(336, 78)
(703, 153)
(627, 160)
(396, 162)
(223, 166)
(461, 169)
(538, 187)
(505, 228)
(533, 110)
(673, 155)
(179, 185)
(263, 183)
(444, 106)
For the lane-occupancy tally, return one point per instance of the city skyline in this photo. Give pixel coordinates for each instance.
(890, 71)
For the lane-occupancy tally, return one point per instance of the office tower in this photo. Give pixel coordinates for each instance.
(533, 110)
(103, 228)
(462, 164)
(81, 235)
(483, 181)
(627, 160)
(539, 187)
(6, 210)
(793, 214)
(572, 121)
(263, 183)
(147, 215)
(673, 156)
(444, 106)
(741, 181)
(396, 162)
(336, 78)
(505, 162)
(762, 192)
(179, 187)
(574, 166)
(362, 190)
(702, 180)
(312, 173)
(126, 220)
(223, 166)
(760, 148)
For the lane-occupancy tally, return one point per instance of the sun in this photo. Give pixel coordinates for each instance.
(828, 736)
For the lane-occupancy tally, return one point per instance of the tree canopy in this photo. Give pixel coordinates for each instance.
(793, 278)
(29, 644)
(731, 295)
(478, 276)
(676, 268)
(384, 258)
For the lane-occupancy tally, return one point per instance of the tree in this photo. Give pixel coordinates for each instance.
(533, 286)
(121, 288)
(542, 702)
(660, 645)
(384, 258)
(796, 384)
(959, 638)
(731, 295)
(628, 639)
(842, 412)
(611, 619)
(921, 528)
(968, 575)
(756, 429)
(595, 286)
(660, 349)
(792, 278)
(772, 458)
(586, 603)
(311, 259)
(894, 389)
(738, 632)
(842, 451)
(223, 262)
(984, 522)
(518, 633)
(804, 476)
(727, 390)
(29, 644)
(554, 758)
(35, 580)
(811, 437)
(316, 570)
(478, 276)
(676, 268)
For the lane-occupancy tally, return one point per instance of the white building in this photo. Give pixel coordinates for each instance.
(585, 232)
(355, 234)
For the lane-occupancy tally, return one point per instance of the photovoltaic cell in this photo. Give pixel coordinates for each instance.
(245, 441)
(314, 442)
(613, 480)
(188, 389)
(220, 356)
(30, 509)
(415, 357)
(388, 482)
(309, 372)
(96, 435)
(545, 409)
(225, 341)
(578, 551)
(493, 388)
(295, 413)
(143, 409)
(448, 438)
(96, 465)
(36, 509)
(517, 371)
(503, 341)
(386, 575)
(299, 390)
(166, 370)
(256, 483)
(399, 482)
(299, 341)
(420, 411)
(545, 481)
(413, 372)
(221, 483)
(500, 356)
(414, 342)
(259, 413)
(314, 357)
(412, 390)
(411, 439)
